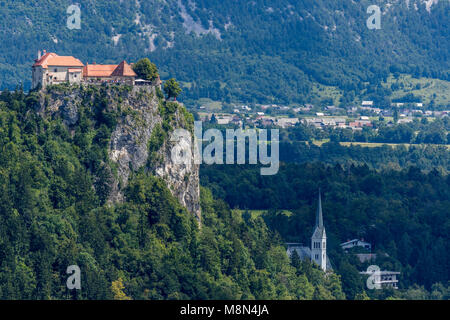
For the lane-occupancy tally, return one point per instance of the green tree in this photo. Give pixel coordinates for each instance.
(172, 88)
(395, 115)
(117, 289)
(146, 69)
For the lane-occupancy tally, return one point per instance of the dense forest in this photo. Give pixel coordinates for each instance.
(53, 214)
(403, 213)
(425, 157)
(56, 179)
(259, 51)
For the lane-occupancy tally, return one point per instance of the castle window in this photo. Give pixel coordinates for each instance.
(56, 70)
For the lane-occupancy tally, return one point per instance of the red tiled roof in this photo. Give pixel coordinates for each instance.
(124, 70)
(52, 59)
(98, 70)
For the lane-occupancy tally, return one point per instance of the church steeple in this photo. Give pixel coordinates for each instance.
(319, 239)
(319, 217)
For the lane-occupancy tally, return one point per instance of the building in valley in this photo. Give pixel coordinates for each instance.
(383, 279)
(356, 243)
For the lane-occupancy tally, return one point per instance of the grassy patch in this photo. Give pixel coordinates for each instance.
(427, 89)
(210, 105)
(320, 142)
(257, 213)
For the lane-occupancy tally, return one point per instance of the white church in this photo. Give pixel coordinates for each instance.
(318, 251)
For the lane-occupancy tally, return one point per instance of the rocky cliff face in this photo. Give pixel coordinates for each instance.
(140, 137)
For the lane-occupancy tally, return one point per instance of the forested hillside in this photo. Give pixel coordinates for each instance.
(403, 214)
(260, 51)
(53, 214)
(87, 179)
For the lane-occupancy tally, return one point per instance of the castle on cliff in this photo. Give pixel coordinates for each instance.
(51, 68)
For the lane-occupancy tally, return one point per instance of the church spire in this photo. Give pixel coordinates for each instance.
(319, 239)
(319, 217)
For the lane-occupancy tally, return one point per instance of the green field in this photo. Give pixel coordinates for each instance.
(320, 142)
(427, 89)
(210, 105)
(257, 213)
(320, 91)
(373, 144)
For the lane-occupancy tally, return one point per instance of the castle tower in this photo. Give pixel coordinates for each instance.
(319, 239)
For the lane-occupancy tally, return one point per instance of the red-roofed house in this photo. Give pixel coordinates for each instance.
(97, 72)
(109, 72)
(52, 69)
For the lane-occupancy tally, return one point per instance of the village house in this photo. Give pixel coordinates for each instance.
(358, 124)
(367, 103)
(316, 122)
(370, 109)
(383, 279)
(224, 119)
(356, 243)
(287, 122)
(324, 122)
(265, 121)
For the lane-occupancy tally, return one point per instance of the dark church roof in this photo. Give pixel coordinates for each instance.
(319, 229)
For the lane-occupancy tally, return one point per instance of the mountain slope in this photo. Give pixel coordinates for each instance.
(253, 51)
